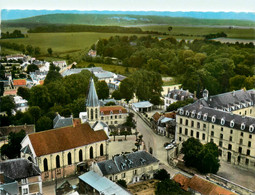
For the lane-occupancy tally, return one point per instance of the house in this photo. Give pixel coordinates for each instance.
(60, 64)
(19, 83)
(4, 131)
(65, 188)
(25, 173)
(92, 53)
(143, 106)
(132, 167)
(10, 92)
(38, 77)
(162, 122)
(200, 185)
(227, 120)
(176, 95)
(20, 104)
(60, 121)
(167, 88)
(111, 115)
(92, 183)
(15, 57)
(58, 152)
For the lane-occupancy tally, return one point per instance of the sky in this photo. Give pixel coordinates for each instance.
(133, 5)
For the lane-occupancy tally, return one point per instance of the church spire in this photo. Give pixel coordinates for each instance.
(92, 98)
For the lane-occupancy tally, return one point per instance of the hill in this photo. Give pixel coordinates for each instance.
(120, 20)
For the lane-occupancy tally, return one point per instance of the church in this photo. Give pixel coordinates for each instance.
(110, 115)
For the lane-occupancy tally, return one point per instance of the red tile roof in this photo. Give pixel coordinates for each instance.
(10, 92)
(19, 82)
(41, 82)
(106, 110)
(170, 115)
(200, 185)
(56, 140)
(156, 116)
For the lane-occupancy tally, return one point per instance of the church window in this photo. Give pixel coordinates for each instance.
(57, 162)
(92, 117)
(80, 155)
(45, 164)
(91, 152)
(69, 158)
(101, 150)
(96, 114)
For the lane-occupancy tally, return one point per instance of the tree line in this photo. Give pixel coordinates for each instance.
(14, 34)
(198, 64)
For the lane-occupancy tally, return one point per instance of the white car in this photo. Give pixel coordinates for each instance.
(170, 146)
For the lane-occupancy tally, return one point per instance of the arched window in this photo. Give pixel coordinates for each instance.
(251, 128)
(222, 122)
(80, 155)
(232, 123)
(91, 113)
(214, 119)
(45, 164)
(205, 117)
(101, 150)
(199, 115)
(242, 126)
(91, 152)
(96, 113)
(181, 111)
(69, 158)
(187, 113)
(30, 159)
(57, 161)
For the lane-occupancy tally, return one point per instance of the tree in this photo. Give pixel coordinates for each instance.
(43, 123)
(116, 95)
(39, 96)
(127, 89)
(114, 133)
(35, 112)
(30, 49)
(52, 76)
(37, 51)
(24, 92)
(12, 149)
(170, 28)
(50, 51)
(78, 106)
(169, 187)
(122, 183)
(57, 92)
(130, 122)
(32, 68)
(155, 100)
(7, 104)
(102, 90)
(125, 133)
(179, 104)
(161, 174)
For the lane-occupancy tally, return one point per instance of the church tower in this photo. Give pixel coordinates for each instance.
(92, 103)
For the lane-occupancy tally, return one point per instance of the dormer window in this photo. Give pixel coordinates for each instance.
(111, 112)
(199, 115)
(193, 113)
(242, 126)
(120, 111)
(205, 117)
(102, 112)
(214, 119)
(187, 113)
(232, 123)
(251, 128)
(181, 111)
(175, 96)
(222, 121)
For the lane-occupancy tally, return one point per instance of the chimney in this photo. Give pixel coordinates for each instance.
(1, 177)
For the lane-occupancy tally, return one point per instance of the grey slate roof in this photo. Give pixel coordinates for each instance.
(10, 188)
(125, 162)
(59, 122)
(103, 74)
(19, 168)
(99, 122)
(103, 102)
(92, 99)
(231, 99)
(102, 184)
(143, 104)
(180, 94)
(201, 111)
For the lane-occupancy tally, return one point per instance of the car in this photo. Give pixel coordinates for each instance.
(170, 146)
(165, 144)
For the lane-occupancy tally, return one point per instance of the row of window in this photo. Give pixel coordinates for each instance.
(192, 124)
(123, 175)
(69, 157)
(111, 117)
(191, 133)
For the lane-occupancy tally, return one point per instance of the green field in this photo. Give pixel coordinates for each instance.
(196, 32)
(112, 68)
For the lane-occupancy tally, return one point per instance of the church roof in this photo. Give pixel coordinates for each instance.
(92, 99)
(56, 140)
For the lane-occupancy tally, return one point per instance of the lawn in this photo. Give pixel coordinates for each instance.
(196, 32)
(112, 68)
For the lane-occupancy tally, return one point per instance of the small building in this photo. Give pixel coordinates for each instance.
(177, 95)
(19, 83)
(15, 57)
(92, 53)
(143, 106)
(132, 167)
(92, 183)
(163, 122)
(10, 92)
(58, 152)
(22, 172)
(168, 88)
(20, 103)
(200, 185)
(60, 121)
(60, 64)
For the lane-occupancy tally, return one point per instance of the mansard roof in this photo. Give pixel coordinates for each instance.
(200, 111)
(125, 162)
(92, 99)
(180, 94)
(65, 138)
(60, 121)
(234, 99)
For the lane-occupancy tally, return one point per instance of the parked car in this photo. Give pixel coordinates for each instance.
(170, 146)
(165, 144)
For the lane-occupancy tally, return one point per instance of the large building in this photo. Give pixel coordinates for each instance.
(225, 119)
(111, 115)
(132, 167)
(60, 152)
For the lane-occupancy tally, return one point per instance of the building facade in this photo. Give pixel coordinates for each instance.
(60, 152)
(132, 167)
(225, 119)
